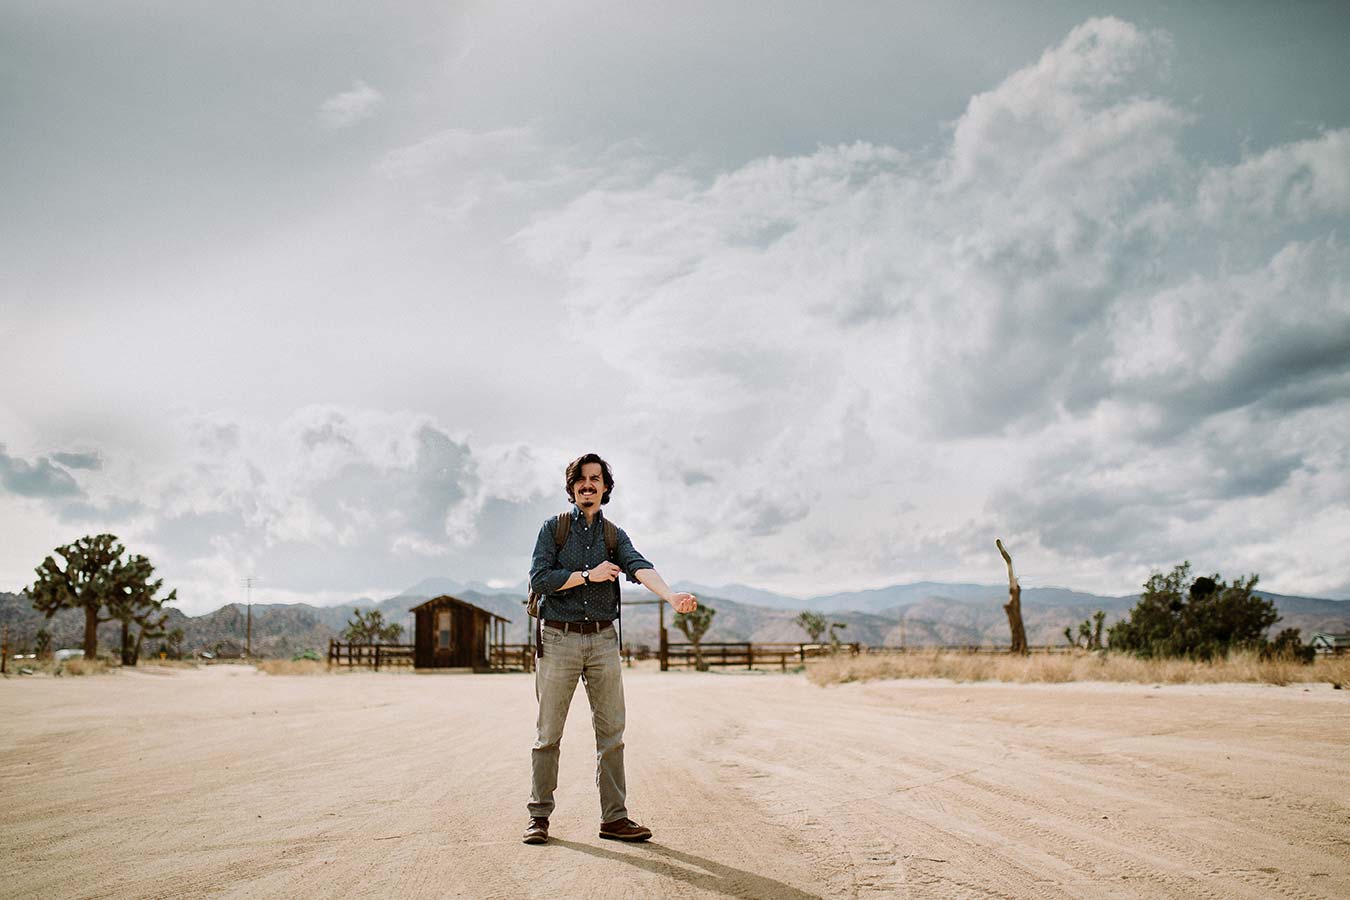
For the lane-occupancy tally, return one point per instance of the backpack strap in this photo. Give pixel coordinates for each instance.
(561, 529)
(612, 550)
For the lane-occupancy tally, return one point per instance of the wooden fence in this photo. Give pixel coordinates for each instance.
(967, 648)
(513, 657)
(743, 654)
(374, 655)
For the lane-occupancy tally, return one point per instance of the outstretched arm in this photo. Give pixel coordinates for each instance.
(652, 580)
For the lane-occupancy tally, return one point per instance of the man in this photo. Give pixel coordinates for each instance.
(579, 588)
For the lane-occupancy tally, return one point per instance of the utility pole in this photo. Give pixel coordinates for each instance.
(248, 627)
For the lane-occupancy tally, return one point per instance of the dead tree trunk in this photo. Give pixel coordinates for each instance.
(1014, 605)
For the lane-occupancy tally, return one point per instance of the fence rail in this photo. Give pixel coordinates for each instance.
(968, 648)
(373, 655)
(744, 654)
(513, 657)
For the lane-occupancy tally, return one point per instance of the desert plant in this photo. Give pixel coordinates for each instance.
(370, 628)
(1288, 645)
(812, 623)
(175, 639)
(1089, 632)
(42, 643)
(134, 603)
(96, 579)
(695, 625)
(1204, 618)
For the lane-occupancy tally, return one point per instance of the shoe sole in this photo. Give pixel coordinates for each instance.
(633, 838)
(535, 839)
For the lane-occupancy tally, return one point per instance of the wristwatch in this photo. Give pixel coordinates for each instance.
(586, 575)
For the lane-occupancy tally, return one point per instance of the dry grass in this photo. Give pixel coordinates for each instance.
(1060, 667)
(292, 667)
(84, 667)
(166, 663)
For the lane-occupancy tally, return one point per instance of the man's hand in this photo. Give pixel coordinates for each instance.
(683, 603)
(606, 571)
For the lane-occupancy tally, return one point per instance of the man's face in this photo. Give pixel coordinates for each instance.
(590, 487)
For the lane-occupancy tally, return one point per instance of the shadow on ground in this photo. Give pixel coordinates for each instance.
(694, 870)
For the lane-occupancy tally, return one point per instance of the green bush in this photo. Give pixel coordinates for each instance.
(1202, 619)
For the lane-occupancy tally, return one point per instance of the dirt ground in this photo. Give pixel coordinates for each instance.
(223, 781)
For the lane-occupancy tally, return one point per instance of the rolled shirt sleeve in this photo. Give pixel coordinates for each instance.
(628, 559)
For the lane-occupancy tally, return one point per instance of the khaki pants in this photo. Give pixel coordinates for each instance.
(594, 658)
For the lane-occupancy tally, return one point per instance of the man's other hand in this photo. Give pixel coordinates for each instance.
(606, 571)
(683, 603)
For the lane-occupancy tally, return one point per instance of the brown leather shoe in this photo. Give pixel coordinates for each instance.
(624, 830)
(537, 832)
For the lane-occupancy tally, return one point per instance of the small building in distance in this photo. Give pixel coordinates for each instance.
(453, 634)
(1331, 644)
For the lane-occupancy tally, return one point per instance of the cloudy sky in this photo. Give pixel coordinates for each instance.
(328, 294)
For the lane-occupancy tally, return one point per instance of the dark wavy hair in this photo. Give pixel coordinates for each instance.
(574, 475)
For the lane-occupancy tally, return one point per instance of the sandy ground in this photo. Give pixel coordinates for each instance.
(169, 783)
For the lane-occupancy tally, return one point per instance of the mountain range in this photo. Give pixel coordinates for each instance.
(923, 613)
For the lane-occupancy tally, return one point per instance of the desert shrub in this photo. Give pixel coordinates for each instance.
(79, 666)
(1288, 645)
(1203, 619)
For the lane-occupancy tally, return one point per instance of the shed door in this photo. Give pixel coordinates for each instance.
(444, 636)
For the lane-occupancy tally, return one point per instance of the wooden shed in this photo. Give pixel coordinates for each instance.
(453, 634)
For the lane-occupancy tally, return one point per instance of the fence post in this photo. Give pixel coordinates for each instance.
(377, 657)
(750, 656)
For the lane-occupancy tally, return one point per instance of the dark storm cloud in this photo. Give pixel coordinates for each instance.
(35, 479)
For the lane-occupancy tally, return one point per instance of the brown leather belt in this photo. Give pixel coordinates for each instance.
(579, 627)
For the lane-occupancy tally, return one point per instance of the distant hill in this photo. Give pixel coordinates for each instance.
(742, 593)
(926, 613)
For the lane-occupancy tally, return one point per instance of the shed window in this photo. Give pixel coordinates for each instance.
(443, 629)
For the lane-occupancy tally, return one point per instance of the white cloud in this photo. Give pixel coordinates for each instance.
(1056, 269)
(845, 367)
(1291, 182)
(349, 107)
(330, 495)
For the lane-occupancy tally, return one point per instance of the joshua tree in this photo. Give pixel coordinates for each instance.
(834, 635)
(694, 625)
(134, 603)
(96, 579)
(370, 628)
(42, 643)
(175, 639)
(1089, 632)
(812, 623)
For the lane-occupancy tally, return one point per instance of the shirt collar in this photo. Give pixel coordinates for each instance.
(581, 516)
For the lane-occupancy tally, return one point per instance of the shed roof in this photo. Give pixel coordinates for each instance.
(447, 600)
(1341, 639)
